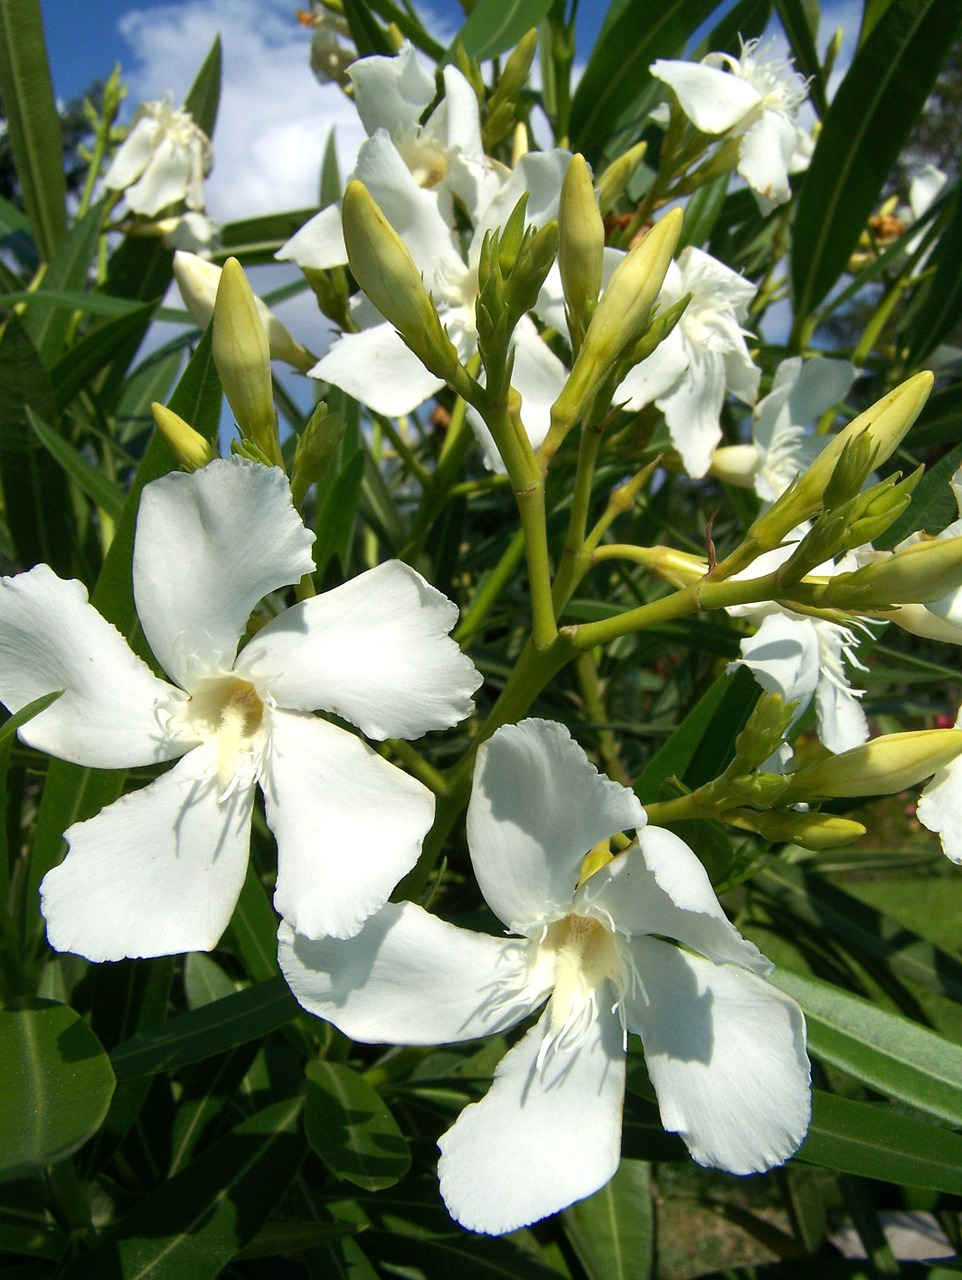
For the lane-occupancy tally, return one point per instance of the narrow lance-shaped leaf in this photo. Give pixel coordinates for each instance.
(349, 1126)
(882, 94)
(203, 97)
(33, 121)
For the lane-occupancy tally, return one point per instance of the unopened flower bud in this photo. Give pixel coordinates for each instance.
(614, 180)
(736, 464)
(880, 767)
(621, 316)
(198, 279)
(386, 272)
(581, 245)
(189, 447)
(316, 446)
(917, 574)
(766, 728)
(809, 830)
(243, 359)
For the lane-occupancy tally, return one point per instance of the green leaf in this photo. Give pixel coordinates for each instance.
(94, 304)
(703, 743)
(613, 1231)
(350, 1128)
(35, 489)
(494, 26)
(746, 21)
(885, 1051)
(702, 212)
(336, 509)
(203, 97)
(458, 1257)
(33, 122)
(942, 305)
(938, 423)
(330, 185)
(367, 34)
(57, 1085)
(257, 239)
(193, 1224)
(800, 37)
(810, 899)
(92, 481)
(617, 72)
(81, 363)
(214, 1028)
(871, 114)
(933, 505)
(873, 1141)
(67, 272)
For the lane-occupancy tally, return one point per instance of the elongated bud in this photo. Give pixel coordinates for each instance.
(614, 180)
(189, 446)
(886, 423)
(809, 830)
(766, 728)
(198, 279)
(736, 464)
(243, 359)
(386, 272)
(581, 245)
(622, 313)
(920, 573)
(316, 446)
(883, 766)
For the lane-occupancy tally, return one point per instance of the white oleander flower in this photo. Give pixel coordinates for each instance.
(374, 365)
(783, 443)
(640, 946)
(704, 356)
(163, 160)
(160, 870)
(752, 96)
(804, 657)
(445, 156)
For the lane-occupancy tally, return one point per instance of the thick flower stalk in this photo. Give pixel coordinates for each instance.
(159, 871)
(641, 946)
(752, 97)
(163, 160)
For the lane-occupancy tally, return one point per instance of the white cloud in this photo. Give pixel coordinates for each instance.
(274, 117)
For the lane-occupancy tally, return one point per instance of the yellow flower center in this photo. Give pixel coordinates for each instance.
(230, 712)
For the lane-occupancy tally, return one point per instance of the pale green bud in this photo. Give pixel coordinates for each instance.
(316, 446)
(881, 767)
(736, 464)
(581, 245)
(198, 279)
(621, 316)
(917, 574)
(885, 424)
(809, 830)
(766, 728)
(502, 109)
(243, 359)
(386, 272)
(615, 179)
(189, 447)
(761, 790)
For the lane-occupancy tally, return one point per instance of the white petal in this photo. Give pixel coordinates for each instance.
(764, 156)
(411, 211)
(208, 547)
(719, 291)
(134, 154)
(661, 888)
(782, 655)
(656, 374)
(537, 807)
(925, 189)
(374, 651)
(408, 978)
(538, 175)
(712, 99)
(156, 873)
(538, 377)
(543, 1137)
(390, 93)
(692, 409)
(165, 180)
(841, 721)
(726, 1054)
(940, 809)
(319, 243)
(348, 824)
(112, 711)
(375, 367)
(462, 117)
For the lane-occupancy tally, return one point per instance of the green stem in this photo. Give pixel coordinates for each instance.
(416, 764)
(489, 590)
(404, 450)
